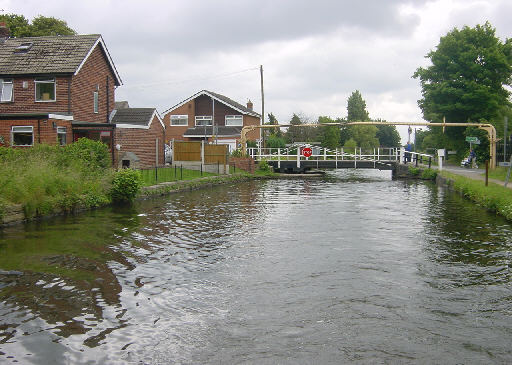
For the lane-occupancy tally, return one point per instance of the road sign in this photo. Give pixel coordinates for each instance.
(474, 140)
(307, 152)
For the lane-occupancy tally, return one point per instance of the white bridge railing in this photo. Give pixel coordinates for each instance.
(296, 153)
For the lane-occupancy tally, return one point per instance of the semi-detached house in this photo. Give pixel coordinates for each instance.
(57, 89)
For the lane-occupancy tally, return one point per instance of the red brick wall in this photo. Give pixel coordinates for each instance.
(43, 130)
(176, 132)
(142, 142)
(242, 163)
(93, 74)
(250, 120)
(25, 99)
(204, 107)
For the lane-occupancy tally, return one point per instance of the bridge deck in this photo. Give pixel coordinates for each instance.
(291, 166)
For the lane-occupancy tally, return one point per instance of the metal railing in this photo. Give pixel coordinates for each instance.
(381, 154)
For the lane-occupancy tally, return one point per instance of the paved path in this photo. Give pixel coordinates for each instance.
(476, 174)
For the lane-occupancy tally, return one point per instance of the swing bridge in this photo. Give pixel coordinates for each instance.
(300, 158)
(384, 159)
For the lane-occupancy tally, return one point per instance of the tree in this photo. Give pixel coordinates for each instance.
(297, 133)
(330, 135)
(19, 26)
(466, 80)
(44, 26)
(272, 120)
(356, 108)
(363, 135)
(387, 134)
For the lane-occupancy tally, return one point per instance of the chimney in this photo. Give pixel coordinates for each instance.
(249, 104)
(4, 32)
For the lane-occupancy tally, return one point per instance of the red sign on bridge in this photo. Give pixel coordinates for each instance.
(307, 152)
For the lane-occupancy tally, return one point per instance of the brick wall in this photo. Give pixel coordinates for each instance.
(176, 132)
(25, 98)
(142, 142)
(243, 163)
(93, 77)
(43, 130)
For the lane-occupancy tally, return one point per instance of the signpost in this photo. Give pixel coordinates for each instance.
(473, 140)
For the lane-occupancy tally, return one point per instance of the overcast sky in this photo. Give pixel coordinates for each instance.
(314, 53)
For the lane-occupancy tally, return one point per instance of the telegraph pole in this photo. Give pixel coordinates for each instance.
(262, 107)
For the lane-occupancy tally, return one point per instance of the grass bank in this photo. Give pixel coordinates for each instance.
(494, 197)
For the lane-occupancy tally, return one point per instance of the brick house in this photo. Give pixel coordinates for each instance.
(139, 137)
(212, 117)
(55, 90)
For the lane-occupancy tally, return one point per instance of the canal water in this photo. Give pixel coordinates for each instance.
(353, 267)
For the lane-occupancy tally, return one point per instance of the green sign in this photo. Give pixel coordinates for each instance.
(474, 140)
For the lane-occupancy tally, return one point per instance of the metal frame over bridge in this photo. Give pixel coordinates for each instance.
(489, 128)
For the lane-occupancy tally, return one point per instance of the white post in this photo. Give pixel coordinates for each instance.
(279, 158)
(298, 157)
(402, 155)
(325, 153)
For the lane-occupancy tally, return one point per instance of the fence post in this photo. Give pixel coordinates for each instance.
(218, 168)
(156, 174)
(181, 171)
(175, 171)
(201, 169)
(416, 156)
(429, 161)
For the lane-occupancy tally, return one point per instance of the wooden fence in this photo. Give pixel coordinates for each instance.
(191, 151)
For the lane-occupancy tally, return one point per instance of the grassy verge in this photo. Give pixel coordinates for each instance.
(499, 173)
(494, 197)
(45, 179)
(167, 174)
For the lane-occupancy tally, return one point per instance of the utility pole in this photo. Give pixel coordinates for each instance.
(262, 107)
(505, 138)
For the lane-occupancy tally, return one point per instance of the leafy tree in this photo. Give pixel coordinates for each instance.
(387, 135)
(19, 26)
(43, 26)
(466, 80)
(356, 108)
(365, 135)
(330, 135)
(272, 120)
(296, 133)
(350, 145)
(273, 141)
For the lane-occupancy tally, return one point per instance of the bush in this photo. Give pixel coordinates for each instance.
(237, 153)
(414, 171)
(263, 166)
(429, 174)
(95, 153)
(126, 184)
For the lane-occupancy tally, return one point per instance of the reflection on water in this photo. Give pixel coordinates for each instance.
(349, 267)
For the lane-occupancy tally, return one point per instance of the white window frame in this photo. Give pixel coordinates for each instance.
(181, 117)
(230, 119)
(207, 118)
(22, 129)
(62, 131)
(49, 80)
(96, 101)
(4, 82)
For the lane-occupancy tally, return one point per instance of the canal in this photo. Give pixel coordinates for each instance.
(351, 267)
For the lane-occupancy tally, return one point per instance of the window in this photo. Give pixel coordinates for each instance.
(22, 136)
(96, 102)
(24, 47)
(234, 120)
(61, 135)
(45, 89)
(5, 90)
(204, 120)
(179, 119)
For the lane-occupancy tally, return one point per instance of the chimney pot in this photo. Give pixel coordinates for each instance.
(249, 104)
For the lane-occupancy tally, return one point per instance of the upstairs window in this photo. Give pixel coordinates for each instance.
(45, 89)
(96, 101)
(179, 119)
(204, 120)
(22, 136)
(234, 120)
(5, 90)
(61, 135)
